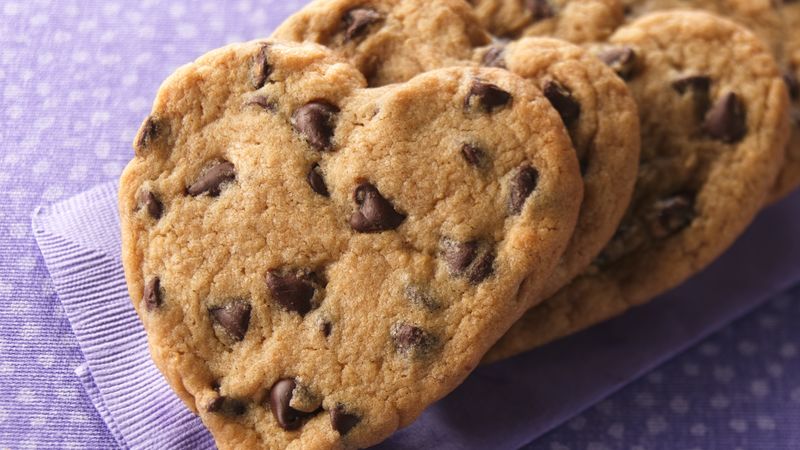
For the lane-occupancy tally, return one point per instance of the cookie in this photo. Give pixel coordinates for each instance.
(577, 21)
(789, 177)
(316, 261)
(389, 40)
(602, 117)
(713, 110)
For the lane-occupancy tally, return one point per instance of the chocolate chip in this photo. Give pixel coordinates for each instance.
(727, 119)
(540, 9)
(692, 83)
(263, 102)
(494, 57)
(151, 204)
(315, 122)
(358, 20)
(280, 395)
(342, 421)
(670, 215)
(233, 317)
(213, 179)
(481, 268)
(374, 213)
(522, 185)
(152, 294)
(316, 181)
(291, 292)
(486, 97)
(458, 255)
(563, 101)
(326, 328)
(227, 406)
(215, 385)
(411, 340)
(149, 132)
(792, 84)
(261, 68)
(621, 59)
(473, 155)
(419, 297)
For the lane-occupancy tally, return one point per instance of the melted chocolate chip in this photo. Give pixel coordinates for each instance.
(562, 100)
(621, 59)
(473, 155)
(459, 255)
(486, 97)
(149, 132)
(670, 215)
(227, 406)
(280, 395)
(375, 213)
(291, 292)
(326, 328)
(419, 297)
(261, 69)
(151, 204)
(792, 84)
(481, 268)
(152, 294)
(358, 20)
(262, 102)
(342, 421)
(522, 185)
(233, 317)
(540, 9)
(316, 181)
(494, 57)
(727, 119)
(314, 121)
(411, 340)
(213, 179)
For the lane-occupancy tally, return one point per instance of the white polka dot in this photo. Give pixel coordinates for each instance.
(108, 36)
(12, 92)
(102, 149)
(782, 302)
(129, 79)
(765, 423)
(606, 407)
(80, 56)
(720, 401)
(46, 360)
(112, 169)
(28, 444)
(698, 429)
(795, 395)
(724, 374)
(616, 430)
(18, 230)
(53, 193)
(111, 8)
(25, 396)
(679, 405)
(738, 425)
(645, 399)
(101, 93)
(41, 167)
(558, 446)
(78, 417)
(68, 393)
(138, 104)
(747, 348)
(14, 112)
(760, 388)
(29, 331)
(6, 368)
(656, 425)
(11, 9)
(100, 117)
(38, 20)
(38, 420)
(577, 423)
(78, 172)
(84, 26)
(775, 370)
(3, 415)
(788, 350)
(61, 37)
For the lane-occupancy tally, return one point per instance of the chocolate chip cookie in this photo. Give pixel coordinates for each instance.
(389, 40)
(578, 21)
(601, 115)
(713, 109)
(316, 261)
(789, 177)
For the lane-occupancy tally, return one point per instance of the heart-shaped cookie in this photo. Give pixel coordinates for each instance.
(316, 261)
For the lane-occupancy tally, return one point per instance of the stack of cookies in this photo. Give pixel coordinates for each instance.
(327, 230)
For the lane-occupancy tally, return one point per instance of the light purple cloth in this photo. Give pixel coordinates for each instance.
(505, 405)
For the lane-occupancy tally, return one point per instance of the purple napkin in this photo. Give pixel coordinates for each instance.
(505, 405)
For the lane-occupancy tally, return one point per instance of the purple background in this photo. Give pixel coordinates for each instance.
(77, 77)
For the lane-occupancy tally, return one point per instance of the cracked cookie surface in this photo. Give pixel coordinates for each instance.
(713, 109)
(316, 261)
